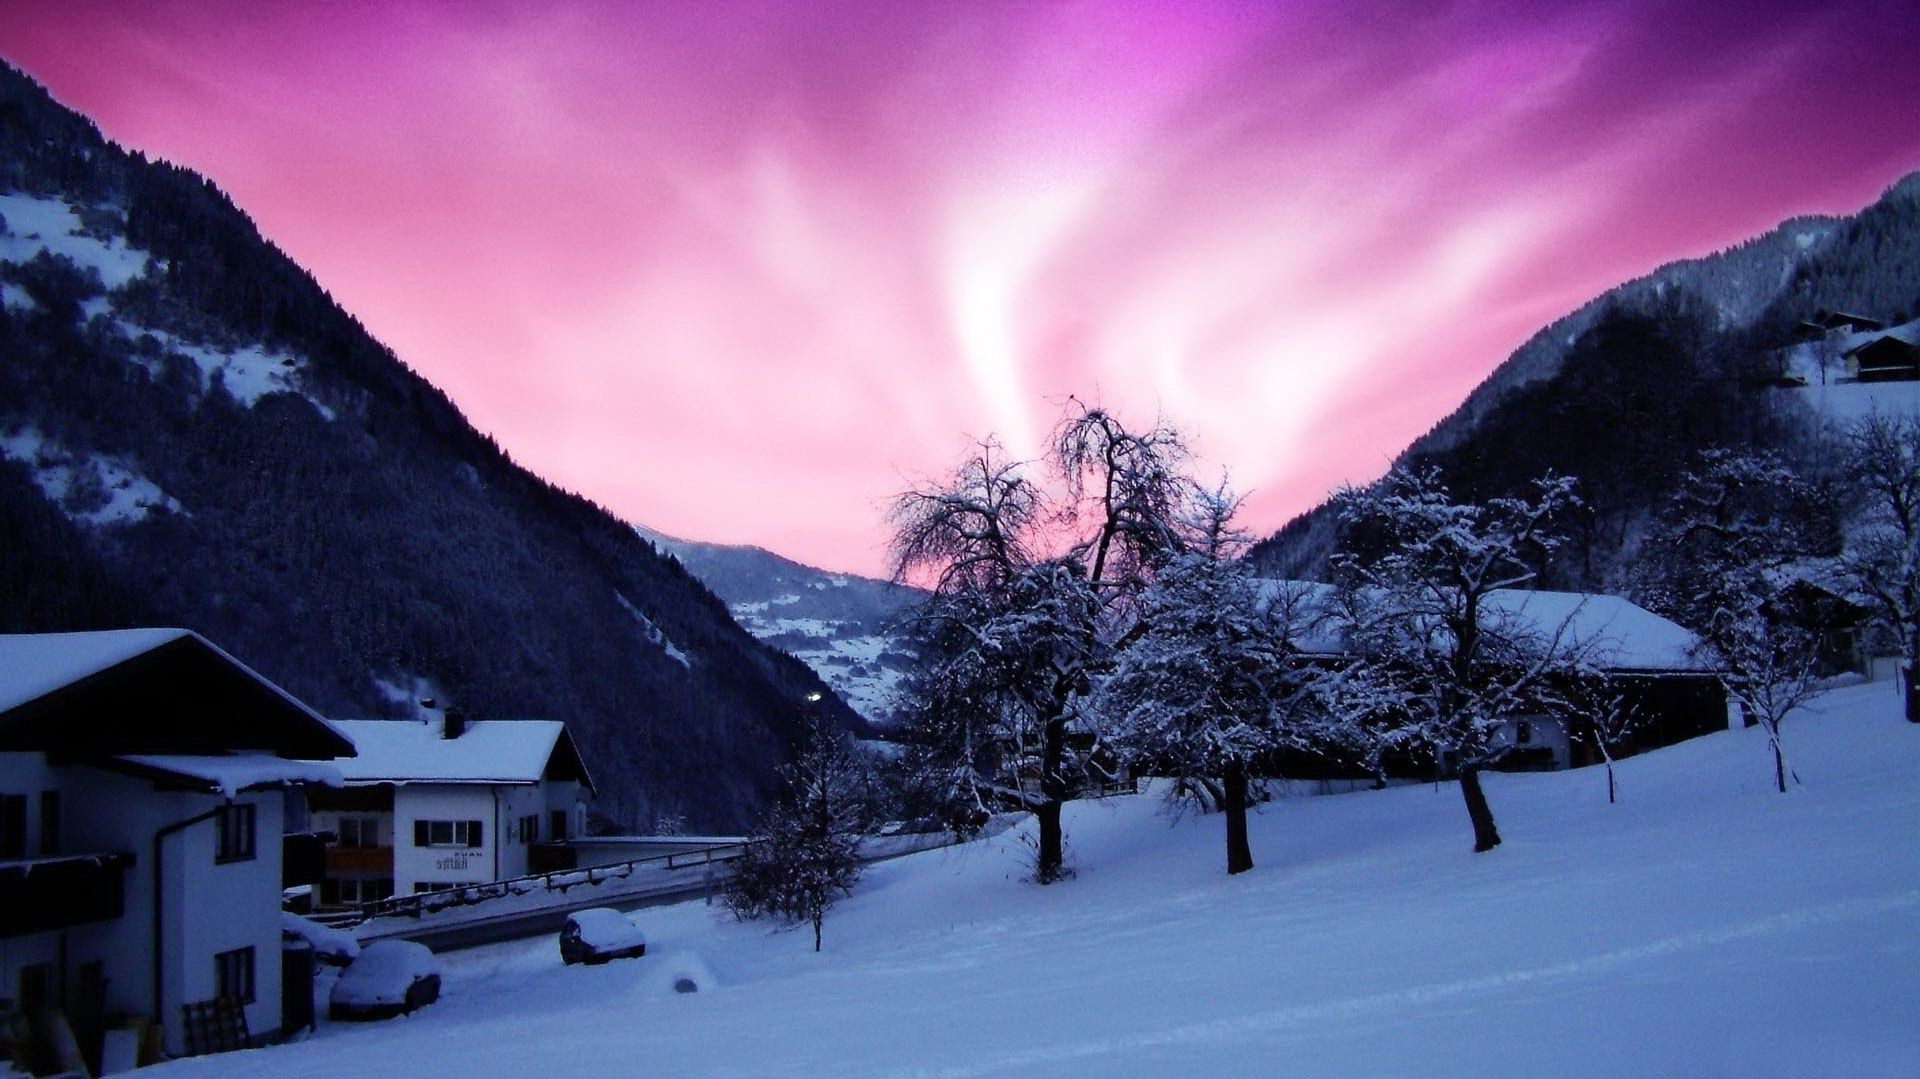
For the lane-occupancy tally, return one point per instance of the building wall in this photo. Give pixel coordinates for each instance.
(208, 908)
(413, 865)
(500, 808)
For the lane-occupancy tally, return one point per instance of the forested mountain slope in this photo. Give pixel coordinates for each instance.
(1625, 391)
(193, 433)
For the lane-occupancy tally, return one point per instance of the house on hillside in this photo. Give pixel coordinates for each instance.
(142, 779)
(1656, 666)
(1838, 324)
(1884, 359)
(432, 806)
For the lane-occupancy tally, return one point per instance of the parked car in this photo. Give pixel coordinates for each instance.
(600, 934)
(391, 977)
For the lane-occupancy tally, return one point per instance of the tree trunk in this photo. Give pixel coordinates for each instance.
(1051, 862)
(1239, 854)
(818, 917)
(1779, 764)
(1485, 835)
(1911, 676)
(1610, 790)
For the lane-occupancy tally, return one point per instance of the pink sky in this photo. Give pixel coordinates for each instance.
(741, 272)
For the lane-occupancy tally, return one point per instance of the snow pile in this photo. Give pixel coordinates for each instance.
(676, 973)
(330, 944)
(99, 490)
(1703, 926)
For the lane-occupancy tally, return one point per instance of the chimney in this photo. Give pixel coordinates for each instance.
(455, 724)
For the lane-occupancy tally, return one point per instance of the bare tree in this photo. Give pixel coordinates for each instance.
(1738, 533)
(1010, 638)
(1609, 718)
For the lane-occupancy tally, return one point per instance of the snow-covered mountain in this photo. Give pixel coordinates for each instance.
(193, 434)
(841, 625)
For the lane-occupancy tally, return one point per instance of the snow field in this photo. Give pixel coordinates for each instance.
(1704, 926)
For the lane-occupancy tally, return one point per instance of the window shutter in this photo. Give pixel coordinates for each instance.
(473, 833)
(420, 834)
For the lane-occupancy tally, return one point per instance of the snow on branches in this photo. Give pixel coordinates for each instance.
(1444, 665)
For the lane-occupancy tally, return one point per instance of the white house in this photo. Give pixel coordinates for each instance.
(429, 806)
(141, 774)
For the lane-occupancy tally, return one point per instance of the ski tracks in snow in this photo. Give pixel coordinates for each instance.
(1334, 1011)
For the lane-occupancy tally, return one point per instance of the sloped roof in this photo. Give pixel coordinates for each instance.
(1608, 631)
(33, 665)
(488, 751)
(228, 775)
(148, 691)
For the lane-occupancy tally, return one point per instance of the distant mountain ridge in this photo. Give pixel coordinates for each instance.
(1624, 391)
(193, 433)
(841, 625)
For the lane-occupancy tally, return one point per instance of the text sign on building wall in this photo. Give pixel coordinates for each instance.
(457, 862)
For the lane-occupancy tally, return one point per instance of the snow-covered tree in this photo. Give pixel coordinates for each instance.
(1444, 664)
(1213, 680)
(1012, 636)
(806, 853)
(1883, 557)
(1607, 717)
(1739, 532)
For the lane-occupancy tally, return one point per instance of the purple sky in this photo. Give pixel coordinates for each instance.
(742, 271)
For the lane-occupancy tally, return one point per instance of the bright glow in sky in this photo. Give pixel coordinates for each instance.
(742, 271)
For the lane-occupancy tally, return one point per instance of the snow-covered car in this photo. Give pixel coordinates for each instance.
(390, 977)
(600, 934)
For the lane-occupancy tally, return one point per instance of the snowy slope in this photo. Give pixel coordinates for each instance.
(1704, 926)
(839, 624)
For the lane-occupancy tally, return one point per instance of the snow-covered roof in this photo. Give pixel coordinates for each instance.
(33, 665)
(487, 751)
(1607, 631)
(150, 690)
(228, 775)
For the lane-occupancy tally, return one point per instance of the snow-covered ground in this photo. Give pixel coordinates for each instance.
(1704, 926)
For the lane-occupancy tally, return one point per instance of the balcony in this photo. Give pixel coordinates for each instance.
(360, 861)
(40, 894)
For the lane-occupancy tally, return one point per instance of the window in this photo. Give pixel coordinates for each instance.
(361, 891)
(13, 826)
(36, 987)
(49, 822)
(234, 970)
(559, 825)
(530, 828)
(235, 834)
(446, 833)
(360, 832)
(424, 886)
(1523, 732)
